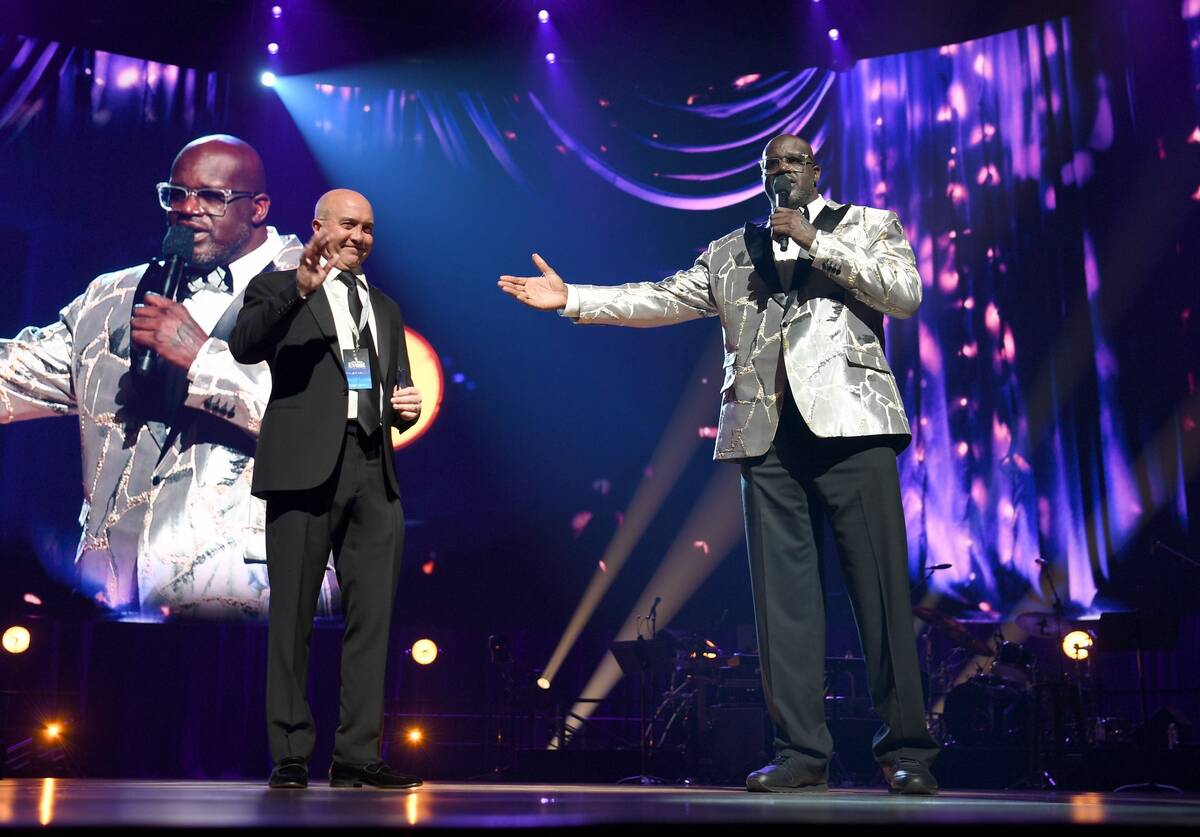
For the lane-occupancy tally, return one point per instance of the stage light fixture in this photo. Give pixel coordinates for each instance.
(273, 48)
(54, 730)
(424, 652)
(277, 11)
(268, 79)
(551, 57)
(1076, 644)
(834, 34)
(543, 16)
(16, 640)
(414, 736)
(543, 683)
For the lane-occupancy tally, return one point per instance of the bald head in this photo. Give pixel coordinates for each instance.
(337, 200)
(346, 216)
(233, 158)
(221, 162)
(792, 157)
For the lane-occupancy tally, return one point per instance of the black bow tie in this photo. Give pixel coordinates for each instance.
(218, 279)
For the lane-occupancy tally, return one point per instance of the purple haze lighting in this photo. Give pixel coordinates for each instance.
(834, 34)
(273, 48)
(551, 57)
(277, 11)
(543, 16)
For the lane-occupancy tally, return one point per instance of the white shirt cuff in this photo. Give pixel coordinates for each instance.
(571, 309)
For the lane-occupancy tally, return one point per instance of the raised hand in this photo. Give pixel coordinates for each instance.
(545, 293)
(166, 327)
(310, 275)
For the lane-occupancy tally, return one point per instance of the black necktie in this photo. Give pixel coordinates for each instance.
(804, 212)
(368, 399)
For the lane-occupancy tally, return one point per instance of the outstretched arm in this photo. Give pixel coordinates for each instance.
(686, 295)
(35, 374)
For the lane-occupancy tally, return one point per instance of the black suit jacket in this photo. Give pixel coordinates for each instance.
(305, 420)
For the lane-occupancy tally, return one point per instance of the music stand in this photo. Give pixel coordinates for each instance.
(643, 658)
(1140, 632)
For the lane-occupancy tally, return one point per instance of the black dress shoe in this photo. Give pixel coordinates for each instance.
(911, 778)
(291, 772)
(378, 775)
(785, 775)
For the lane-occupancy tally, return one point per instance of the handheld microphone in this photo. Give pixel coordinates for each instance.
(781, 186)
(176, 253)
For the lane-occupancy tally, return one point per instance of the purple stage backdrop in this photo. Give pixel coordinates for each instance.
(1017, 165)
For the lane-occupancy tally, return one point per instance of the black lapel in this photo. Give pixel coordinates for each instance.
(383, 323)
(758, 246)
(318, 306)
(828, 218)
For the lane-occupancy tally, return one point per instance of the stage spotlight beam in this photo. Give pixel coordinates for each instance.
(716, 521)
(674, 450)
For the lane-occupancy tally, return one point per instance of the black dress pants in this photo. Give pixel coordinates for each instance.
(355, 515)
(800, 485)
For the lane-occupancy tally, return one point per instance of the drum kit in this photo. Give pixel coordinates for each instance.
(1011, 700)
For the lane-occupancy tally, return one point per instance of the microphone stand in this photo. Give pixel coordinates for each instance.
(644, 672)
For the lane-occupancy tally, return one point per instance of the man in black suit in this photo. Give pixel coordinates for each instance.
(324, 467)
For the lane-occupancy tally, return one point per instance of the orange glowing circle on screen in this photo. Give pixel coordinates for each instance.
(427, 376)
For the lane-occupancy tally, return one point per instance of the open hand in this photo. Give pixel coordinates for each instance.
(310, 275)
(545, 293)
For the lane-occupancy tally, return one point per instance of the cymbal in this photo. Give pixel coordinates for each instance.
(1046, 625)
(953, 630)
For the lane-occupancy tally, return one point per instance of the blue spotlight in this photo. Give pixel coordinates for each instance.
(834, 34)
(273, 48)
(268, 79)
(277, 11)
(551, 57)
(543, 16)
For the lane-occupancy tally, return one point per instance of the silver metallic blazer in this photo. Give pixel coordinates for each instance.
(167, 507)
(823, 337)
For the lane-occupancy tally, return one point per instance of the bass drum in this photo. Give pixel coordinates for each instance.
(987, 710)
(1014, 665)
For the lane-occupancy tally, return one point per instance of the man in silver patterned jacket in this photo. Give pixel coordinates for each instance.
(169, 526)
(811, 411)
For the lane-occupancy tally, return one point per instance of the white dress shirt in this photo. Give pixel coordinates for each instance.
(339, 301)
(785, 261)
(208, 304)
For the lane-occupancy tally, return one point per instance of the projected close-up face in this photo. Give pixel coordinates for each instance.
(224, 225)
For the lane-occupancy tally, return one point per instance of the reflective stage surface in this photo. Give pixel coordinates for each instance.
(84, 802)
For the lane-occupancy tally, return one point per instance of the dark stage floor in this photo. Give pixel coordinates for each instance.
(84, 802)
